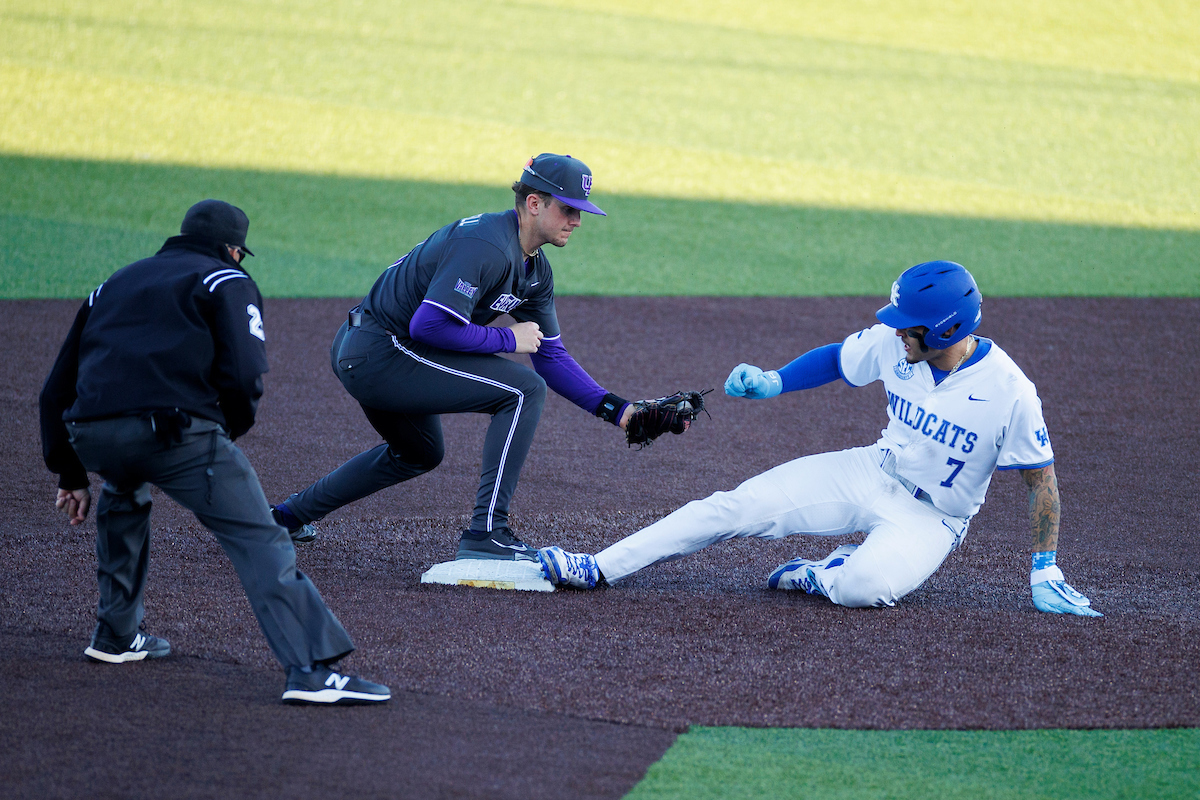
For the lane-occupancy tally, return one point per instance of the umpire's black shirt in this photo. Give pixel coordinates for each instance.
(180, 330)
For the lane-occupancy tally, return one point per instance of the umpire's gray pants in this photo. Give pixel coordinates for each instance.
(402, 387)
(208, 475)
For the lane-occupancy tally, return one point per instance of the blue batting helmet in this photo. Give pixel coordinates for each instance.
(936, 295)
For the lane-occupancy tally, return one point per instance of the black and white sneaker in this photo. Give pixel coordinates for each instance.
(499, 545)
(138, 647)
(301, 532)
(323, 686)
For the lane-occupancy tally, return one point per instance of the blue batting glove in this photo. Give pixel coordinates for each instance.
(750, 382)
(1057, 597)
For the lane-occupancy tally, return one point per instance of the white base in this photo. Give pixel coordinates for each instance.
(490, 574)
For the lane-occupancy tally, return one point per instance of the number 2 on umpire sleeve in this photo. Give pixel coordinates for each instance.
(256, 324)
(958, 465)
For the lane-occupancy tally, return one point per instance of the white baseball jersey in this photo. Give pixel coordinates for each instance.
(949, 438)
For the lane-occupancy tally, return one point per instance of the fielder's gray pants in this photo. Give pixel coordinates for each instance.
(208, 475)
(402, 387)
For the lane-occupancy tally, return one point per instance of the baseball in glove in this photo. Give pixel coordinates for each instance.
(653, 418)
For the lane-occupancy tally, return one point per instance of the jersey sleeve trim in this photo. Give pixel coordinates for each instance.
(1026, 466)
(449, 311)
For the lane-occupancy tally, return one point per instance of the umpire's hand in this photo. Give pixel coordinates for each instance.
(75, 502)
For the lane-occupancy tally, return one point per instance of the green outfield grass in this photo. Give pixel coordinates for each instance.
(323, 235)
(783, 147)
(972, 765)
(776, 148)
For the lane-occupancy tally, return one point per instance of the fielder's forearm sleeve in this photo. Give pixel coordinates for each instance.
(564, 375)
(815, 368)
(435, 326)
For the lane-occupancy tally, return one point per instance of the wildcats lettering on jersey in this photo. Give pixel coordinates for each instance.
(939, 430)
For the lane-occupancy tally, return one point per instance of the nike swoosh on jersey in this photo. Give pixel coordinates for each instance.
(977, 399)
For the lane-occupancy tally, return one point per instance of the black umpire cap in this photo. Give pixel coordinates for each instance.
(216, 219)
(567, 179)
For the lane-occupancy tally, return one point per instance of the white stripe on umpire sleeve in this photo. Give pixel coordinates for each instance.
(224, 278)
(221, 272)
(490, 382)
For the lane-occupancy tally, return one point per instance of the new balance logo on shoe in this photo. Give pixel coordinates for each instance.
(322, 686)
(140, 647)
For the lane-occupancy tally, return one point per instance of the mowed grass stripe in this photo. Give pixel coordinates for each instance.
(972, 765)
(331, 236)
(680, 106)
(187, 125)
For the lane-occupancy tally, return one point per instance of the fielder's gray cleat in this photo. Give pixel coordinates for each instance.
(569, 569)
(137, 647)
(301, 532)
(323, 686)
(500, 544)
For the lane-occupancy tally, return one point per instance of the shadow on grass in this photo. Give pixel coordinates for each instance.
(69, 223)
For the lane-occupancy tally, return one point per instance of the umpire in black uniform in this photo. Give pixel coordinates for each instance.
(161, 371)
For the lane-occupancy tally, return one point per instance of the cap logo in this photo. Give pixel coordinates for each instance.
(896, 293)
(587, 184)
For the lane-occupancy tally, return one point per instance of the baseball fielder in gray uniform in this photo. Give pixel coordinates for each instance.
(958, 409)
(419, 345)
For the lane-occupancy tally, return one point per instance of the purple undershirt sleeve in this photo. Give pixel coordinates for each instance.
(815, 368)
(437, 327)
(564, 375)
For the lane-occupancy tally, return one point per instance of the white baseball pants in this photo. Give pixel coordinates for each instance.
(828, 494)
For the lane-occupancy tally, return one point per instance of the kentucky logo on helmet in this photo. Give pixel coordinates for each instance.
(896, 293)
(587, 184)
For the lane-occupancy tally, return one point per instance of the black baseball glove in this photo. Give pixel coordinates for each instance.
(653, 418)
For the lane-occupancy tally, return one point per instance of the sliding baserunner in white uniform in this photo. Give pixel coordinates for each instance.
(958, 409)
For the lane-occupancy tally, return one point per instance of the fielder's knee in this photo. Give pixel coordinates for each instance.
(534, 389)
(418, 460)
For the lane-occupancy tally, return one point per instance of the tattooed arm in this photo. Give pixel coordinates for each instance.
(1043, 507)
(1051, 592)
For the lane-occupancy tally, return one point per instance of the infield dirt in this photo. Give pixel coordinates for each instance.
(516, 694)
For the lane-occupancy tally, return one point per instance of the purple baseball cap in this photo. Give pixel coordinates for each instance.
(566, 179)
